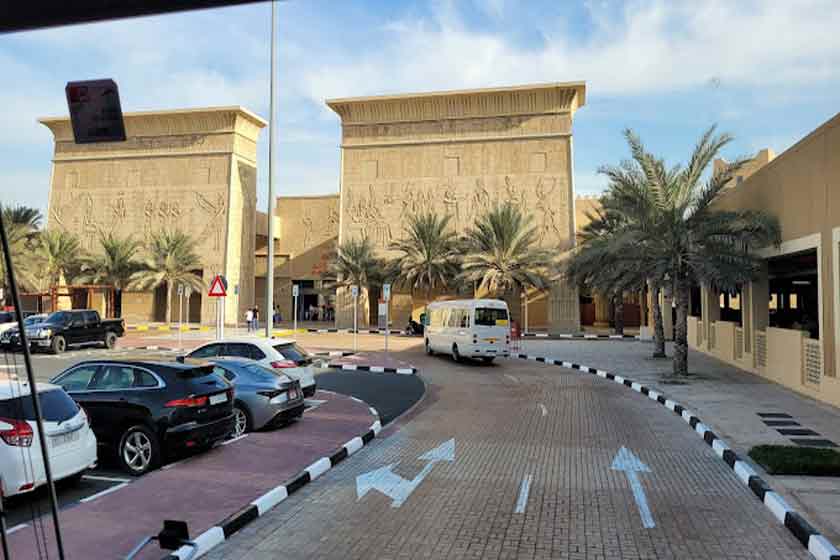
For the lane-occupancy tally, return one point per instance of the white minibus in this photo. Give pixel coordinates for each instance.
(468, 328)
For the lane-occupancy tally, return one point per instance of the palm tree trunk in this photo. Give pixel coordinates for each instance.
(681, 328)
(618, 318)
(168, 302)
(658, 328)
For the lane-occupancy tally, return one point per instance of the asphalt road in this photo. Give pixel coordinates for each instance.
(390, 394)
(523, 460)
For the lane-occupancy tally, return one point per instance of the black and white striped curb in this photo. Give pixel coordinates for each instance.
(153, 347)
(217, 534)
(334, 354)
(374, 369)
(581, 336)
(804, 532)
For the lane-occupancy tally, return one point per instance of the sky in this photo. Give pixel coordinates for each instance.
(766, 71)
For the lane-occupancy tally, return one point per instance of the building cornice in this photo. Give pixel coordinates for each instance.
(551, 98)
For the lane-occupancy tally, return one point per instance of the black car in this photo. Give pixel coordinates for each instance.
(79, 326)
(145, 410)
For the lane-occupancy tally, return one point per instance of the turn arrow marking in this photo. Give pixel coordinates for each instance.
(396, 487)
(631, 465)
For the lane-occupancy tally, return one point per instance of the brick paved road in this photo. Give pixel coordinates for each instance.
(513, 420)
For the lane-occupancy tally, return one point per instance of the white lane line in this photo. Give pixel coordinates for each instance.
(176, 463)
(16, 528)
(524, 489)
(105, 478)
(543, 409)
(512, 378)
(100, 494)
(228, 441)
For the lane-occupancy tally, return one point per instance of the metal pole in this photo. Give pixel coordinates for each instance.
(222, 319)
(36, 404)
(525, 293)
(294, 326)
(180, 317)
(3, 541)
(356, 323)
(272, 168)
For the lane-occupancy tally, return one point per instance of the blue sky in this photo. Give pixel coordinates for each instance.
(766, 71)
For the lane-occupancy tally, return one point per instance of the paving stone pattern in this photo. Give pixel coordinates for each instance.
(578, 508)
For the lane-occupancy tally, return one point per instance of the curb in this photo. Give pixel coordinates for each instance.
(287, 332)
(153, 347)
(582, 336)
(221, 532)
(374, 369)
(335, 354)
(804, 532)
(167, 328)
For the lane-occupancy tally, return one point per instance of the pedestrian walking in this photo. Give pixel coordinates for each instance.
(249, 319)
(256, 318)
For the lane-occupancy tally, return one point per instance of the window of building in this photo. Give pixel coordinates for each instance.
(794, 288)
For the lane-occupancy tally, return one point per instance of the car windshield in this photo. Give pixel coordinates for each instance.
(56, 406)
(490, 316)
(32, 319)
(59, 318)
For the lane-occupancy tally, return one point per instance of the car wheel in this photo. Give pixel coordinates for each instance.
(241, 421)
(455, 354)
(488, 359)
(139, 450)
(429, 350)
(110, 340)
(58, 345)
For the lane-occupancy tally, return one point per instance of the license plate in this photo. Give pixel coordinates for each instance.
(218, 399)
(64, 439)
(491, 340)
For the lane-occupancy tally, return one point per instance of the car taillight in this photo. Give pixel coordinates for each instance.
(15, 432)
(283, 364)
(189, 402)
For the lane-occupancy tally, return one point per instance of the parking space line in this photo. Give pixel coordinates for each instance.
(16, 528)
(512, 378)
(104, 492)
(226, 442)
(543, 409)
(524, 490)
(170, 465)
(105, 478)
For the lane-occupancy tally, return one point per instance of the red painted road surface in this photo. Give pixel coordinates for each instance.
(202, 490)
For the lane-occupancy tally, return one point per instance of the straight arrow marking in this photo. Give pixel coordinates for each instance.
(631, 465)
(524, 490)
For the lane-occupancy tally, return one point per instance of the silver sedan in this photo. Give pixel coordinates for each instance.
(263, 396)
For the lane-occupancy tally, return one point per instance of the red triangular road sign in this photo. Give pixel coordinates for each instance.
(217, 287)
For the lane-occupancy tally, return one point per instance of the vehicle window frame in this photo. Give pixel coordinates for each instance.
(57, 380)
(161, 383)
(227, 372)
(215, 345)
(102, 372)
(138, 371)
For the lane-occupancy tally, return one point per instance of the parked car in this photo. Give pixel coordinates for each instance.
(7, 320)
(10, 338)
(145, 410)
(281, 354)
(67, 328)
(71, 443)
(264, 397)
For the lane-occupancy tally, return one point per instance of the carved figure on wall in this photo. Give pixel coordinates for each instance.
(451, 202)
(148, 217)
(308, 227)
(513, 195)
(118, 211)
(548, 216)
(480, 202)
(215, 211)
(90, 229)
(333, 220)
(57, 212)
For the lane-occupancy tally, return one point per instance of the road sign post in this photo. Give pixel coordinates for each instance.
(218, 290)
(386, 295)
(180, 315)
(354, 291)
(295, 293)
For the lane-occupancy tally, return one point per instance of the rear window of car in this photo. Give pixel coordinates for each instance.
(56, 406)
(292, 352)
(487, 316)
(261, 373)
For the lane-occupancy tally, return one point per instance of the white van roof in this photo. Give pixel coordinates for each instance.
(491, 303)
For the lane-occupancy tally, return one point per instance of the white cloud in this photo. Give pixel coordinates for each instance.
(638, 47)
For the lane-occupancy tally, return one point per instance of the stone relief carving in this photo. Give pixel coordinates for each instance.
(214, 210)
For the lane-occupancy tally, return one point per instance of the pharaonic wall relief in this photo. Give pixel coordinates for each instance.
(141, 197)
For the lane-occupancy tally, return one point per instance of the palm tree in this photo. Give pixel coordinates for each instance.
(428, 256)
(113, 266)
(502, 252)
(21, 225)
(687, 240)
(29, 218)
(171, 259)
(355, 263)
(59, 253)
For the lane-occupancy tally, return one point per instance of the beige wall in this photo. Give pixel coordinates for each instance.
(193, 170)
(801, 187)
(459, 153)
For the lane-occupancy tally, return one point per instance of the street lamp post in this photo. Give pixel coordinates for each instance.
(272, 168)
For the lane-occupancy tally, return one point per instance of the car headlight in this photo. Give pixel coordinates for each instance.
(44, 333)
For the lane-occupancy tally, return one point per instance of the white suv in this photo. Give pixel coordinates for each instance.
(71, 444)
(281, 354)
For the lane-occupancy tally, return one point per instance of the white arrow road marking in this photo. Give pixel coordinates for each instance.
(523, 494)
(543, 410)
(512, 378)
(396, 487)
(631, 465)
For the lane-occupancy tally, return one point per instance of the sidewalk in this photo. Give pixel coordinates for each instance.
(729, 400)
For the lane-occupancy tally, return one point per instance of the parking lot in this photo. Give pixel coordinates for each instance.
(192, 487)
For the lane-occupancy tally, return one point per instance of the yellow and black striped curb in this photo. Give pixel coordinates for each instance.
(168, 328)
